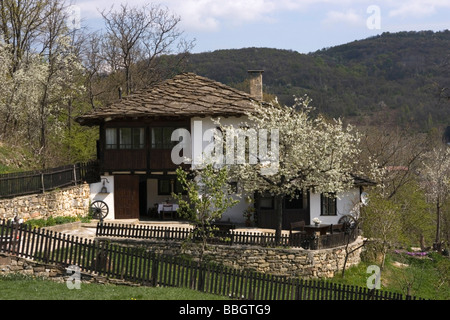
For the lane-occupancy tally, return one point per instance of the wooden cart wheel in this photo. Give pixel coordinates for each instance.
(348, 222)
(99, 210)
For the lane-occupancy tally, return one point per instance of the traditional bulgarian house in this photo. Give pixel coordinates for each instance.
(135, 150)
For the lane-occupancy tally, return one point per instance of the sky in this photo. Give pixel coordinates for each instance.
(299, 25)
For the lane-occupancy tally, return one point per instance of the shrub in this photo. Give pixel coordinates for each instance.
(52, 221)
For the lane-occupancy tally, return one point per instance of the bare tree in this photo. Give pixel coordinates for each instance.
(93, 65)
(136, 37)
(22, 24)
(397, 151)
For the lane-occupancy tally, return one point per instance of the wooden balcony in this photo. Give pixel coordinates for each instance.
(126, 160)
(137, 160)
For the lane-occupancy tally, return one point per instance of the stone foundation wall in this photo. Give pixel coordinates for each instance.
(10, 264)
(295, 262)
(307, 264)
(73, 201)
(290, 262)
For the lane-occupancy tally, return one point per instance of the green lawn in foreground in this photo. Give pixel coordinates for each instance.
(425, 277)
(18, 287)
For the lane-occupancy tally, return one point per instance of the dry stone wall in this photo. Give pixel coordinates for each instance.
(73, 201)
(10, 264)
(307, 264)
(293, 262)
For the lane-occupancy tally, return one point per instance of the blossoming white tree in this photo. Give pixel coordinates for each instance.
(313, 154)
(435, 177)
(39, 72)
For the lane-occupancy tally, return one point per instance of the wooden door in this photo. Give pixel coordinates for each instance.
(293, 211)
(296, 209)
(126, 197)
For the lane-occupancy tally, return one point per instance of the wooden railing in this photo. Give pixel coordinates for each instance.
(30, 182)
(227, 237)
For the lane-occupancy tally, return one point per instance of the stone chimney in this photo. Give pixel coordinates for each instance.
(256, 84)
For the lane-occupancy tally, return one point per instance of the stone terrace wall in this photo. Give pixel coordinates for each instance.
(294, 262)
(73, 201)
(306, 264)
(10, 264)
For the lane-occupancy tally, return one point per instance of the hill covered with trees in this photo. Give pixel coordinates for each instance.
(400, 75)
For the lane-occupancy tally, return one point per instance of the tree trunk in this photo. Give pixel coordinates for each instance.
(422, 242)
(437, 244)
(279, 216)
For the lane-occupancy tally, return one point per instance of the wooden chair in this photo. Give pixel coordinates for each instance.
(296, 238)
(336, 228)
(153, 211)
(167, 210)
(297, 225)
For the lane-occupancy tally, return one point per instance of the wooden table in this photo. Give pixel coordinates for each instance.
(317, 230)
(167, 209)
(173, 205)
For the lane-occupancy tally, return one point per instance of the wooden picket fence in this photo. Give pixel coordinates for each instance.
(225, 236)
(30, 182)
(138, 265)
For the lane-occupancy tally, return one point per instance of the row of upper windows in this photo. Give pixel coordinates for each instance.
(134, 138)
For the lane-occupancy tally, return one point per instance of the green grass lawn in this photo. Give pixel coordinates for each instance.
(19, 287)
(423, 277)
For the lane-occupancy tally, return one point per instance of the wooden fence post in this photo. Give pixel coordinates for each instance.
(136, 265)
(154, 275)
(75, 174)
(42, 182)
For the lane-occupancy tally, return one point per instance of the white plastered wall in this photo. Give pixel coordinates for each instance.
(346, 202)
(198, 128)
(107, 198)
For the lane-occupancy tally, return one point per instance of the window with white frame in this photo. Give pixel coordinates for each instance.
(328, 204)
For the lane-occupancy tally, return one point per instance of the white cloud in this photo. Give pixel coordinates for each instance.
(206, 14)
(349, 17)
(416, 8)
(213, 15)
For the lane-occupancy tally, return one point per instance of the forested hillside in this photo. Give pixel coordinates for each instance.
(51, 76)
(404, 75)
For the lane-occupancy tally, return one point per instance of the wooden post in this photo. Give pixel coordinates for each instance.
(42, 182)
(75, 174)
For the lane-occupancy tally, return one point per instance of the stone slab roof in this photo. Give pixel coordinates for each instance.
(185, 95)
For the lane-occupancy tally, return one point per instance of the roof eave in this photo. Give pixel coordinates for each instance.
(95, 121)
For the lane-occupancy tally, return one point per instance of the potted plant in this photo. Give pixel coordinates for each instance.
(316, 221)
